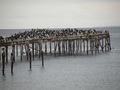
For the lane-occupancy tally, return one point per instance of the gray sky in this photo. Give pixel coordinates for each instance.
(15, 14)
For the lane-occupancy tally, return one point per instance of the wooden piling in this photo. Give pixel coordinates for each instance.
(91, 46)
(50, 47)
(36, 48)
(21, 52)
(0, 54)
(12, 61)
(39, 49)
(102, 44)
(59, 48)
(33, 50)
(30, 59)
(13, 51)
(80, 45)
(42, 54)
(84, 45)
(27, 51)
(16, 50)
(98, 45)
(87, 46)
(109, 43)
(73, 46)
(105, 45)
(6, 54)
(66, 46)
(55, 47)
(95, 46)
(3, 61)
(63, 47)
(45, 47)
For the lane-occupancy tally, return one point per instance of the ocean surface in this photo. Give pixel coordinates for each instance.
(72, 72)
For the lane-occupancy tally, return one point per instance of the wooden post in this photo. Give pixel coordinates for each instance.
(39, 49)
(69, 47)
(66, 46)
(105, 45)
(63, 47)
(84, 45)
(33, 50)
(80, 45)
(109, 43)
(50, 47)
(21, 52)
(87, 46)
(95, 46)
(3, 61)
(16, 50)
(27, 50)
(6, 54)
(13, 51)
(55, 47)
(77, 46)
(42, 54)
(45, 47)
(12, 61)
(0, 54)
(91, 46)
(30, 59)
(73, 46)
(102, 44)
(59, 48)
(36, 48)
(98, 44)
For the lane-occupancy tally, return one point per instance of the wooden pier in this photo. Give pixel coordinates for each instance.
(89, 42)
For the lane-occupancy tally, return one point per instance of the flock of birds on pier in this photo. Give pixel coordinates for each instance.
(46, 33)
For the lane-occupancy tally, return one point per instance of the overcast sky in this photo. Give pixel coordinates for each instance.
(15, 14)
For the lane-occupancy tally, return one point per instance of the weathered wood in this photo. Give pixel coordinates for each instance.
(36, 48)
(59, 48)
(16, 50)
(45, 47)
(3, 61)
(12, 62)
(105, 44)
(42, 54)
(87, 46)
(30, 59)
(102, 44)
(64, 42)
(66, 46)
(95, 46)
(27, 50)
(6, 54)
(55, 47)
(0, 54)
(84, 45)
(50, 48)
(80, 45)
(39, 49)
(33, 50)
(109, 48)
(13, 51)
(21, 52)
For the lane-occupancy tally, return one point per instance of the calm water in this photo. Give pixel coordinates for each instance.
(92, 72)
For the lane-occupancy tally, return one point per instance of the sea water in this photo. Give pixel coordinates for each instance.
(75, 72)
